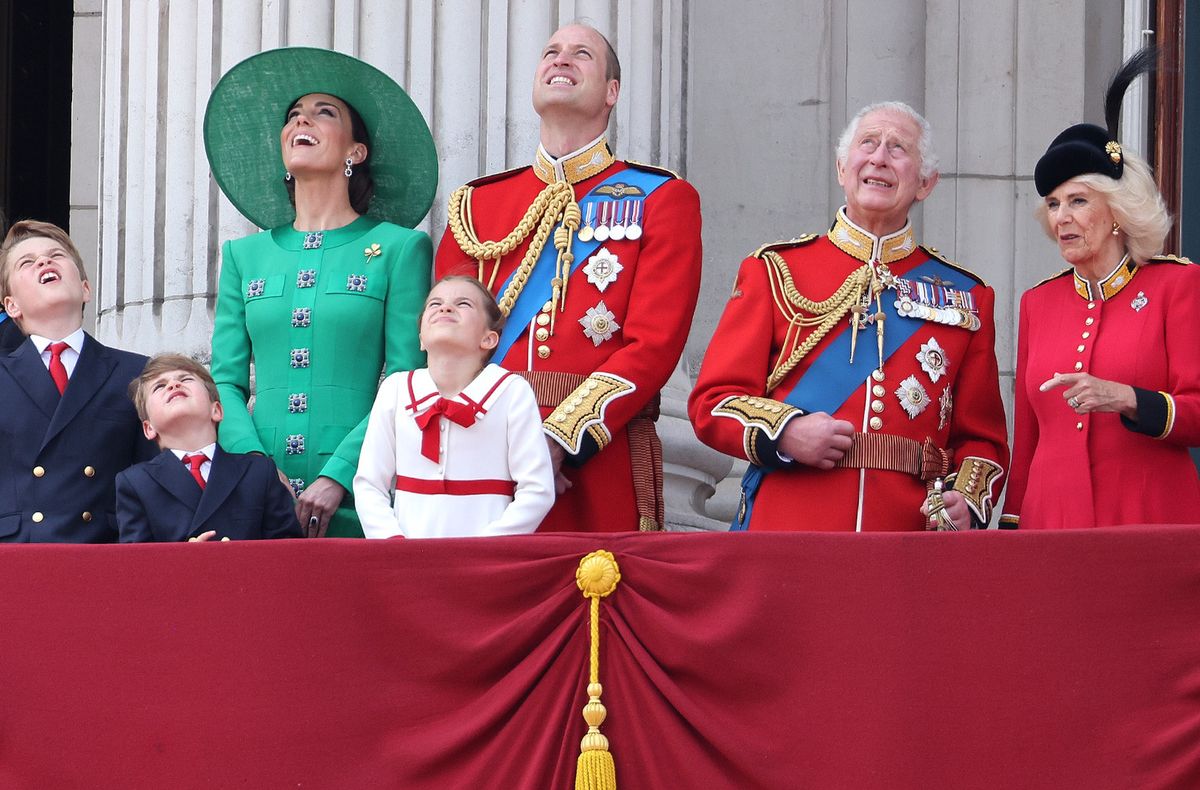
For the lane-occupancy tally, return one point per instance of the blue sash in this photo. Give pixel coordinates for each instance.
(831, 379)
(539, 287)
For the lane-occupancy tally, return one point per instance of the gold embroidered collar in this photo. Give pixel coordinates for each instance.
(1111, 285)
(576, 166)
(867, 247)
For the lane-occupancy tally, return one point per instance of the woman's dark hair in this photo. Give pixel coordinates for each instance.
(362, 186)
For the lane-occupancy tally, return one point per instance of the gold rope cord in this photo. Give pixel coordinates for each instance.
(597, 577)
(554, 203)
(823, 316)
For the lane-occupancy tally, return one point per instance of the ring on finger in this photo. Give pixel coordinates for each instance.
(314, 521)
(1073, 403)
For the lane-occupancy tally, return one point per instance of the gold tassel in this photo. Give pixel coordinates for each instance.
(597, 577)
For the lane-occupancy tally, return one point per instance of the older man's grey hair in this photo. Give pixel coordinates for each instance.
(929, 160)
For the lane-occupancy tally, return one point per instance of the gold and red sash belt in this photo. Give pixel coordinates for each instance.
(924, 460)
(416, 485)
(552, 387)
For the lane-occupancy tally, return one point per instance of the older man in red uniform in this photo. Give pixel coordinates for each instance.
(856, 370)
(596, 264)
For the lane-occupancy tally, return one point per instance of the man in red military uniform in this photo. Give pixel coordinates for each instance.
(856, 371)
(596, 264)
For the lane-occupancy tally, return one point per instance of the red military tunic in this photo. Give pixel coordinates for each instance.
(940, 384)
(598, 362)
(1093, 470)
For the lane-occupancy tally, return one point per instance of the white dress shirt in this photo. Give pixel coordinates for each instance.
(69, 355)
(208, 451)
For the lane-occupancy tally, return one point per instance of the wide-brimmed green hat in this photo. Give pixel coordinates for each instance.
(246, 113)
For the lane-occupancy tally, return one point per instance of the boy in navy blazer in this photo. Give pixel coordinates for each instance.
(193, 490)
(66, 425)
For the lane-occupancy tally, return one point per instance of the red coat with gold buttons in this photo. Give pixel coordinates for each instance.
(651, 301)
(1138, 327)
(950, 396)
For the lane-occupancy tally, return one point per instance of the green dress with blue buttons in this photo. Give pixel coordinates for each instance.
(322, 316)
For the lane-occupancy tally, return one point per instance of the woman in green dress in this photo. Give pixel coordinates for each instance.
(334, 159)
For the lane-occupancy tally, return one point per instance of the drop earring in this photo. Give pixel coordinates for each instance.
(349, 167)
(1116, 229)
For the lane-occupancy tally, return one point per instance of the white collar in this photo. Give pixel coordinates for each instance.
(482, 390)
(74, 340)
(208, 449)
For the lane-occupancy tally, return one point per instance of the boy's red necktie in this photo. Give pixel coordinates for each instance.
(58, 371)
(194, 461)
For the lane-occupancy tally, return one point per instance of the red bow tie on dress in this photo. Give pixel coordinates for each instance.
(430, 424)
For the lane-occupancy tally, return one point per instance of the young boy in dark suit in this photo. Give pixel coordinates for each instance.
(193, 490)
(66, 424)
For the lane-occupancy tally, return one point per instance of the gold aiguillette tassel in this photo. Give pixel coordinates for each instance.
(856, 314)
(570, 224)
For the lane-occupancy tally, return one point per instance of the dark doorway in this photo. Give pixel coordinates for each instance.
(35, 110)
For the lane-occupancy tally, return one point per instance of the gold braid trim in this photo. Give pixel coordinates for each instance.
(974, 480)
(553, 204)
(823, 316)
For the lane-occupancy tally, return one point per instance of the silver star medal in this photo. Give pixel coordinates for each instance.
(933, 359)
(1139, 302)
(913, 397)
(602, 269)
(599, 323)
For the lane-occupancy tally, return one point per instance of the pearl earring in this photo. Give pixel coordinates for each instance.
(349, 167)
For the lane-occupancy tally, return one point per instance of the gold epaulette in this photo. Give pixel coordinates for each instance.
(1053, 277)
(662, 171)
(493, 177)
(932, 252)
(1169, 259)
(799, 241)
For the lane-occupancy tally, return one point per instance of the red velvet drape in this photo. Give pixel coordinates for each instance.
(979, 660)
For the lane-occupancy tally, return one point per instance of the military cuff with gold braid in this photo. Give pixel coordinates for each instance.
(763, 420)
(578, 422)
(1155, 414)
(1009, 521)
(974, 480)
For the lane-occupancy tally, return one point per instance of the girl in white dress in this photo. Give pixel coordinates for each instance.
(455, 449)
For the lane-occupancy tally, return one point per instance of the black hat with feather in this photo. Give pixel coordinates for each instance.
(1087, 148)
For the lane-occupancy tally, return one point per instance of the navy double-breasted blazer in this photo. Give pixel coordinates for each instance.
(60, 455)
(244, 499)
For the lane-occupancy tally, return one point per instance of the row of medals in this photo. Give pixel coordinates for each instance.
(617, 220)
(950, 316)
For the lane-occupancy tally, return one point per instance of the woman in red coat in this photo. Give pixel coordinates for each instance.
(1108, 353)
